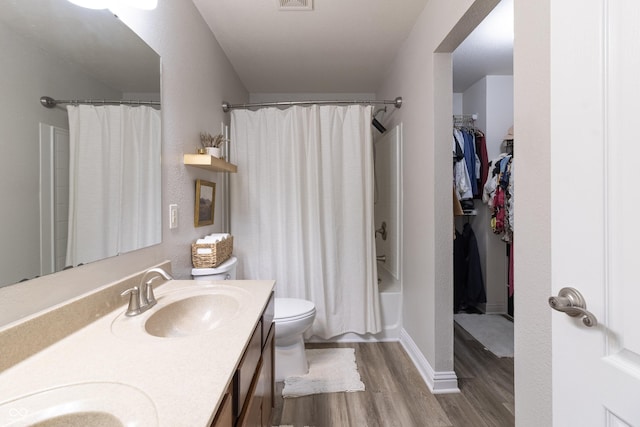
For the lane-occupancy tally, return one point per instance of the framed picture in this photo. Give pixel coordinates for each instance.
(205, 202)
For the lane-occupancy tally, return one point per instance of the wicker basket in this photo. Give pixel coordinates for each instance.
(220, 252)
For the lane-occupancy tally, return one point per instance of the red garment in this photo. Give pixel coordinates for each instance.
(499, 211)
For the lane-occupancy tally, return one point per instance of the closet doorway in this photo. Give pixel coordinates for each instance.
(482, 150)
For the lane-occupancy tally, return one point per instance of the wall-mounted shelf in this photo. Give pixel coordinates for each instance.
(210, 163)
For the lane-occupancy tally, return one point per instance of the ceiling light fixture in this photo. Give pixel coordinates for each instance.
(295, 4)
(104, 4)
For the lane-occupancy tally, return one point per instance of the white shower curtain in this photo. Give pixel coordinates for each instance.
(114, 181)
(302, 210)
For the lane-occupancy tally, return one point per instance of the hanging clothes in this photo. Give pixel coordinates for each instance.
(470, 158)
(468, 283)
(481, 153)
(461, 178)
(498, 194)
(470, 165)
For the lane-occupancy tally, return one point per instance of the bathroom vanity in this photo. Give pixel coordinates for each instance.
(180, 363)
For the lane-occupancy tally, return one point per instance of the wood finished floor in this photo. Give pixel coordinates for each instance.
(397, 396)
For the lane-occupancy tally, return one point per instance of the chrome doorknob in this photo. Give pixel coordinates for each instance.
(571, 302)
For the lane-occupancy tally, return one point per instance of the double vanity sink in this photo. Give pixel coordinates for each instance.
(168, 366)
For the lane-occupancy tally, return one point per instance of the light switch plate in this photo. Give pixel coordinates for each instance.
(173, 216)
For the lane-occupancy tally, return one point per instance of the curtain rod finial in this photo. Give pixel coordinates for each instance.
(226, 106)
(398, 102)
(47, 101)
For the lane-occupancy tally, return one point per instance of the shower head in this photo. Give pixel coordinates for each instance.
(378, 125)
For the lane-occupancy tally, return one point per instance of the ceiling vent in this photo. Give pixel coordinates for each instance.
(295, 4)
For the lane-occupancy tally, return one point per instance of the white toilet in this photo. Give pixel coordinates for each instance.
(225, 271)
(292, 316)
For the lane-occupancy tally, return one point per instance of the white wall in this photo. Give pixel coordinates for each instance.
(411, 76)
(420, 77)
(457, 103)
(532, 108)
(492, 99)
(22, 83)
(196, 77)
(474, 101)
(499, 112)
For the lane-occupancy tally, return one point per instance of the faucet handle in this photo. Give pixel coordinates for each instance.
(134, 302)
(151, 298)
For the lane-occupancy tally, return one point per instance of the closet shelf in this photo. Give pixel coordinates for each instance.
(205, 161)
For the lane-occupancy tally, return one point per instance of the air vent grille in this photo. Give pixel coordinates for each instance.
(295, 4)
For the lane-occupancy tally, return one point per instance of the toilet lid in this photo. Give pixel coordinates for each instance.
(292, 308)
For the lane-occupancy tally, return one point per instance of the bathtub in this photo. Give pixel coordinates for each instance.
(390, 291)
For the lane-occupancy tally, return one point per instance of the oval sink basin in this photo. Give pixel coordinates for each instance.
(193, 315)
(89, 404)
(184, 312)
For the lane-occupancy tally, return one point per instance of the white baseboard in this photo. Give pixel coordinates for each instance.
(495, 308)
(438, 382)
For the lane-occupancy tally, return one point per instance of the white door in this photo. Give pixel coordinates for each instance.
(595, 164)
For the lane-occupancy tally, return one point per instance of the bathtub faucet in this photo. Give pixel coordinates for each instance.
(382, 231)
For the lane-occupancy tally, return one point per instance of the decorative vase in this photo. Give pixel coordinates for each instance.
(214, 151)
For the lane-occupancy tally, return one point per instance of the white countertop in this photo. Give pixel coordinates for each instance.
(184, 377)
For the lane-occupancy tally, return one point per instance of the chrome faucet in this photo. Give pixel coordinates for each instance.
(382, 231)
(142, 298)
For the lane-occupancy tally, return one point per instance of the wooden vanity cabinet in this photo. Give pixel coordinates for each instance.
(243, 384)
(253, 382)
(267, 384)
(224, 417)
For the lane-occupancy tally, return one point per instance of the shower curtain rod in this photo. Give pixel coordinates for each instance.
(226, 106)
(49, 102)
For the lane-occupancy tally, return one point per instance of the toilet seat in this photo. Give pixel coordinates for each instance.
(290, 309)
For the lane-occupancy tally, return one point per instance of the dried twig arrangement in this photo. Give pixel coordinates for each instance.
(211, 141)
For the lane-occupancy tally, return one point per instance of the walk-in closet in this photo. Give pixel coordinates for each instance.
(483, 145)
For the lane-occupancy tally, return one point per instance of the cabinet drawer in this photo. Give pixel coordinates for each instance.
(247, 369)
(252, 414)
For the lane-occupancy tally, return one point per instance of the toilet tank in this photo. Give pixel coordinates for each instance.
(225, 271)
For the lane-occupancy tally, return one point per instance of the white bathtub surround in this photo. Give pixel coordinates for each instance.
(112, 164)
(388, 208)
(303, 208)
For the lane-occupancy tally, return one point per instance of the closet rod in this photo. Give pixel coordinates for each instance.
(49, 102)
(226, 106)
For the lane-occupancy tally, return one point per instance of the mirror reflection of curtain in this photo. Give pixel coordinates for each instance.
(302, 209)
(114, 180)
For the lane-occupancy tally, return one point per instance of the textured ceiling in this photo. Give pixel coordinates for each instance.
(343, 46)
(488, 50)
(93, 39)
(340, 46)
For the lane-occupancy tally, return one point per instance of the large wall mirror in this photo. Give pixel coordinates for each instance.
(54, 48)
